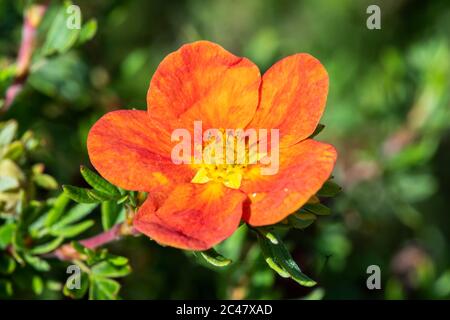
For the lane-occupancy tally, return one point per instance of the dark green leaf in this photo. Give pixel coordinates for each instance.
(279, 258)
(329, 189)
(6, 288)
(98, 183)
(80, 195)
(213, 257)
(7, 264)
(301, 220)
(318, 208)
(318, 130)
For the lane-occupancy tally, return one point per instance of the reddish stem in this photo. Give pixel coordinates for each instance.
(32, 19)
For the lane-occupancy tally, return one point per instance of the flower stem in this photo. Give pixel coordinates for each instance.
(68, 252)
(32, 19)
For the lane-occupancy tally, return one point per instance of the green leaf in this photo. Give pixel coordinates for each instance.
(37, 284)
(318, 130)
(7, 264)
(6, 289)
(60, 38)
(45, 181)
(72, 230)
(37, 263)
(57, 210)
(318, 208)
(47, 247)
(77, 293)
(14, 150)
(216, 259)
(329, 189)
(109, 270)
(301, 220)
(110, 212)
(75, 214)
(99, 196)
(278, 257)
(6, 234)
(103, 289)
(7, 132)
(88, 31)
(80, 195)
(98, 183)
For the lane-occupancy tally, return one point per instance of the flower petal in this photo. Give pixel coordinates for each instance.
(203, 81)
(304, 168)
(132, 150)
(193, 217)
(293, 97)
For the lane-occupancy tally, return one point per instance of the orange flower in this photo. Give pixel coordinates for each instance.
(203, 82)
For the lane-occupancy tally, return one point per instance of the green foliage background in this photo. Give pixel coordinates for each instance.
(388, 114)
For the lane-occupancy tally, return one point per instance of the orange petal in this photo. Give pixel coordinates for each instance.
(304, 168)
(194, 217)
(131, 150)
(293, 97)
(203, 81)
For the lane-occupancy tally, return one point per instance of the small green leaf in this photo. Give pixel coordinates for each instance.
(47, 247)
(80, 195)
(77, 293)
(213, 257)
(301, 220)
(88, 31)
(329, 189)
(98, 183)
(110, 212)
(57, 210)
(37, 263)
(37, 284)
(318, 208)
(14, 150)
(278, 257)
(98, 195)
(6, 234)
(6, 289)
(7, 264)
(318, 130)
(72, 230)
(109, 270)
(45, 181)
(7, 132)
(75, 214)
(103, 289)
(60, 38)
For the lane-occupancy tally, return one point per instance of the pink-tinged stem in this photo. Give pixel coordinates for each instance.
(67, 252)
(32, 19)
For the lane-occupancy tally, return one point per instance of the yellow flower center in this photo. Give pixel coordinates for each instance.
(224, 160)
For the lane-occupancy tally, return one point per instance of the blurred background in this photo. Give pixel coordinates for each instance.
(388, 114)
